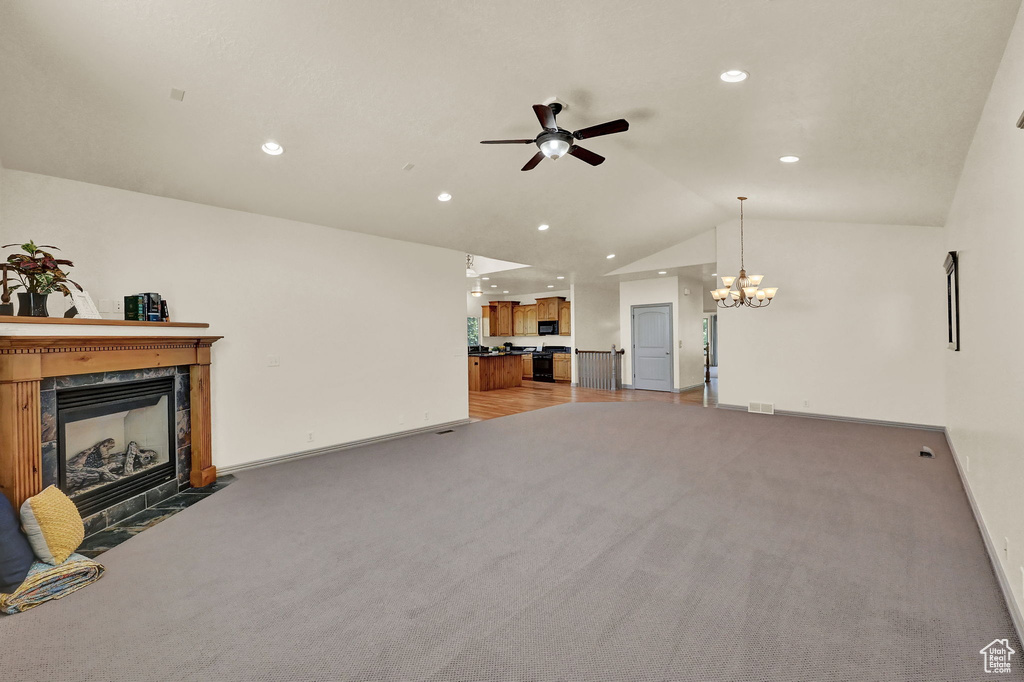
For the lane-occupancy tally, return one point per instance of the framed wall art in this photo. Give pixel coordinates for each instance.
(953, 299)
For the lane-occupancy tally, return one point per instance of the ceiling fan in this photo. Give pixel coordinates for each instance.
(555, 142)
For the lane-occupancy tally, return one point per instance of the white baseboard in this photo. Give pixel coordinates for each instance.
(990, 546)
(838, 418)
(340, 446)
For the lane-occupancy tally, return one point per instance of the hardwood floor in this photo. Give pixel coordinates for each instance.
(534, 395)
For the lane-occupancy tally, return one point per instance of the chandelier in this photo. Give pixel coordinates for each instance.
(747, 292)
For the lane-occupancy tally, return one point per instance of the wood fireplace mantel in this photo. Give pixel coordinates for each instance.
(26, 360)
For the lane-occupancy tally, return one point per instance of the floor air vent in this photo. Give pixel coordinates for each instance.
(927, 452)
(761, 408)
(441, 433)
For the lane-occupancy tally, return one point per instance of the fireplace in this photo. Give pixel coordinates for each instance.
(115, 441)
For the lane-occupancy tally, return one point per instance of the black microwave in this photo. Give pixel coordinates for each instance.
(547, 328)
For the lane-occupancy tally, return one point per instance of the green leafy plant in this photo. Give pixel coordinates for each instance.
(39, 271)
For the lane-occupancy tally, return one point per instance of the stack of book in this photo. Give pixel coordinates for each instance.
(147, 307)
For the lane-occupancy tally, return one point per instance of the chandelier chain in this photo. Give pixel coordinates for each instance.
(742, 266)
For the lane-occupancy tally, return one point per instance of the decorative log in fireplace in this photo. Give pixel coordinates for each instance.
(25, 361)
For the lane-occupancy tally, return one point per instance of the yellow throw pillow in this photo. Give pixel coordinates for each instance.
(53, 525)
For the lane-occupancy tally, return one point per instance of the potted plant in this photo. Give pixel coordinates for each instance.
(40, 274)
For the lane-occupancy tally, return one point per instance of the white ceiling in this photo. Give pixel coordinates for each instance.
(879, 98)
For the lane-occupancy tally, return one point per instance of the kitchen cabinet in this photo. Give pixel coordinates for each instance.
(524, 320)
(562, 366)
(564, 318)
(547, 308)
(528, 366)
(500, 316)
(490, 372)
(529, 320)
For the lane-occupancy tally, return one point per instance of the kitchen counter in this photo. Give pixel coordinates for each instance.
(490, 372)
(493, 355)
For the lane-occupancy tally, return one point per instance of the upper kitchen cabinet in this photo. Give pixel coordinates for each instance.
(547, 308)
(530, 320)
(524, 320)
(518, 314)
(564, 318)
(501, 323)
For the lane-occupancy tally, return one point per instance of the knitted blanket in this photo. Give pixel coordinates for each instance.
(45, 582)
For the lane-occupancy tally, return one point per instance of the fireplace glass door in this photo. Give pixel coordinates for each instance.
(115, 441)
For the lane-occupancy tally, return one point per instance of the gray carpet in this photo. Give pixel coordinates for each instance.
(611, 542)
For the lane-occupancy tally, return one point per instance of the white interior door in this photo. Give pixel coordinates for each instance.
(652, 347)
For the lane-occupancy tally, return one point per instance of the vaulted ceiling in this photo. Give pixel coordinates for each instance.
(879, 99)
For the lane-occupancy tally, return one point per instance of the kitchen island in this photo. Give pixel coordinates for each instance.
(490, 371)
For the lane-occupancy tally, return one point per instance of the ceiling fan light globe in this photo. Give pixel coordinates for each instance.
(554, 149)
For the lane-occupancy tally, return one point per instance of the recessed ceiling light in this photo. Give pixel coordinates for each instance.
(789, 159)
(662, 272)
(610, 256)
(504, 292)
(273, 148)
(543, 227)
(485, 278)
(560, 277)
(551, 286)
(734, 76)
(444, 196)
(714, 274)
(494, 286)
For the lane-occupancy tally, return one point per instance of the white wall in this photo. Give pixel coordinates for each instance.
(858, 327)
(645, 292)
(337, 307)
(985, 379)
(690, 325)
(595, 311)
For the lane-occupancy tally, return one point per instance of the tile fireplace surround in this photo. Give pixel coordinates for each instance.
(26, 362)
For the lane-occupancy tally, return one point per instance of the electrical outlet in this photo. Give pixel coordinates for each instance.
(680, 344)
(273, 361)
(309, 436)
(118, 306)
(807, 403)
(426, 416)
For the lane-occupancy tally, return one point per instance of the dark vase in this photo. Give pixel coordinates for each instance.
(32, 305)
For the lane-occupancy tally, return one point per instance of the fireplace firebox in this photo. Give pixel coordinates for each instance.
(115, 441)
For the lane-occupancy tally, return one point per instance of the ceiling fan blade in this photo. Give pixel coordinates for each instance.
(532, 163)
(586, 155)
(507, 141)
(617, 126)
(545, 116)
